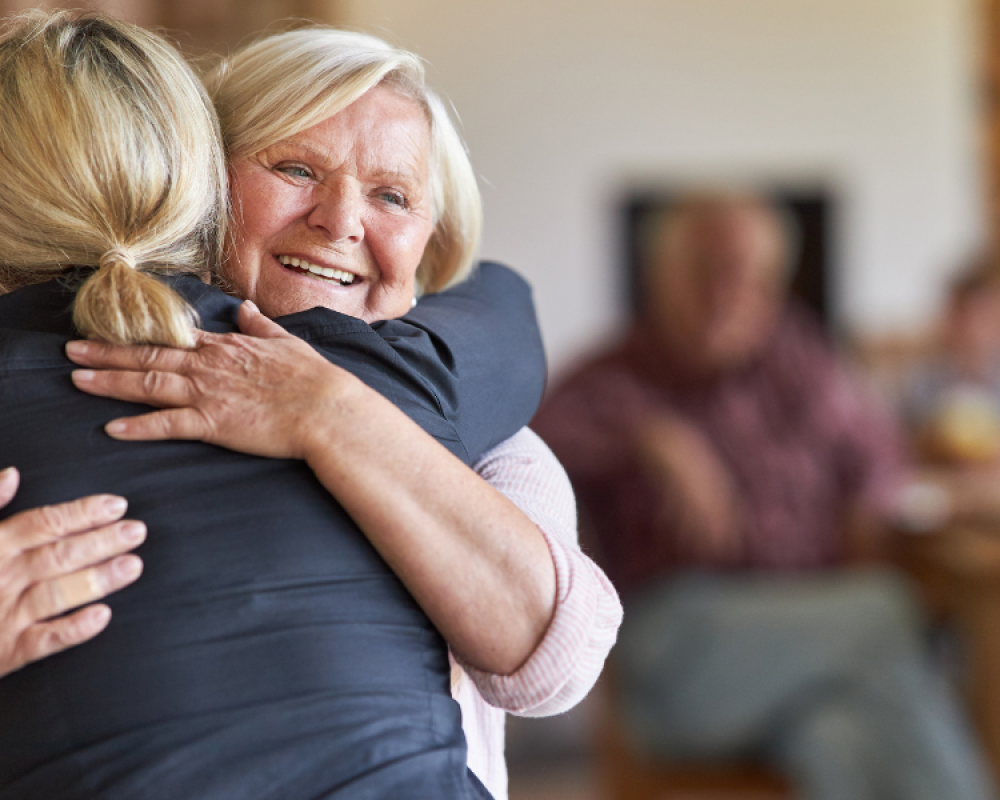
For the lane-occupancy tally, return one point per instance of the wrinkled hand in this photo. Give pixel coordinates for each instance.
(265, 393)
(54, 559)
(702, 503)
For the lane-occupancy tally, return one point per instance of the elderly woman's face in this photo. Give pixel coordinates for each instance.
(338, 215)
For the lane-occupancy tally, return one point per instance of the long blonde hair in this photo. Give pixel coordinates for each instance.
(287, 82)
(110, 156)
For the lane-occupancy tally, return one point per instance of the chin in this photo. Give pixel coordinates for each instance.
(295, 298)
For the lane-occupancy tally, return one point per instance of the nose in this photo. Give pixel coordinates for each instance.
(338, 212)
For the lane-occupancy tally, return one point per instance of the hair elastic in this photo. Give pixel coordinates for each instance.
(118, 255)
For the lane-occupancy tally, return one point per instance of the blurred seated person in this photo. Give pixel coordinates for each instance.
(735, 477)
(952, 401)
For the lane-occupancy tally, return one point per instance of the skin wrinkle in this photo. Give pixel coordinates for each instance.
(338, 213)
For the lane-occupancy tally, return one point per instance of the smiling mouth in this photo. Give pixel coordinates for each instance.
(315, 271)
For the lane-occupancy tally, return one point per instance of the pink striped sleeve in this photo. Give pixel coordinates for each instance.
(570, 657)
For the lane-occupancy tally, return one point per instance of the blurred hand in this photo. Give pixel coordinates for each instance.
(54, 559)
(700, 500)
(266, 393)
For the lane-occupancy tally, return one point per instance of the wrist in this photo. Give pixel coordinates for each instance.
(332, 416)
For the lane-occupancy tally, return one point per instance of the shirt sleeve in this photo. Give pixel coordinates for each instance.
(872, 457)
(478, 347)
(848, 421)
(467, 364)
(568, 660)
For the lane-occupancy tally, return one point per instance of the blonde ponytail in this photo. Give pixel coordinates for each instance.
(110, 157)
(120, 304)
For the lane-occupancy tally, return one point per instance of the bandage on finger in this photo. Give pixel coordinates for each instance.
(53, 597)
(76, 589)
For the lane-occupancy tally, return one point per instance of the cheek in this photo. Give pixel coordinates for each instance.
(236, 280)
(262, 205)
(398, 249)
(252, 218)
(241, 264)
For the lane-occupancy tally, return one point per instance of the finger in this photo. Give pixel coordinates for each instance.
(53, 597)
(124, 357)
(74, 553)
(10, 478)
(253, 323)
(174, 423)
(47, 638)
(163, 389)
(30, 529)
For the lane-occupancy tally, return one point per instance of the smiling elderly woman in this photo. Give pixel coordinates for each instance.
(347, 201)
(351, 191)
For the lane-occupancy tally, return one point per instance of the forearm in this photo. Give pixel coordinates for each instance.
(478, 567)
(567, 661)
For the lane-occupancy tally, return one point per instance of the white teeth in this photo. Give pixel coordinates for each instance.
(324, 272)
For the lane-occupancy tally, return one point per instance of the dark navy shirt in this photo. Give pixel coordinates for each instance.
(267, 651)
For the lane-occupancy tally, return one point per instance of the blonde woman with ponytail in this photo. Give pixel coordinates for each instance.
(270, 650)
(111, 173)
(86, 181)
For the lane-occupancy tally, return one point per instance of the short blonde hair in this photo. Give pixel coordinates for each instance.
(110, 156)
(287, 82)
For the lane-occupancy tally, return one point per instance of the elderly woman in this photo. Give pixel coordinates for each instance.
(344, 199)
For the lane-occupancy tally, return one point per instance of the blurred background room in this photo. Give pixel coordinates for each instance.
(872, 127)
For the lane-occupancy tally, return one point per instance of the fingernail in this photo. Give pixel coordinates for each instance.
(83, 375)
(115, 505)
(252, 306)
(115, 427)
(99, 615)
(128, 567)
(76, 348)
(7, 474)
(132, 533)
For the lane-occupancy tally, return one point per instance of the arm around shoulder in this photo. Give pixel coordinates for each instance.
(478, 346)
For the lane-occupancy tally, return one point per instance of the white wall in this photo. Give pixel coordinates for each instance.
(566, 102)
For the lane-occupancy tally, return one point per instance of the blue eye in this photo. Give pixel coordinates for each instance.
(293, 170)
(393, 198)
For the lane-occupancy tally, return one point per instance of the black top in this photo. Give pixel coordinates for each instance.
(267, 651)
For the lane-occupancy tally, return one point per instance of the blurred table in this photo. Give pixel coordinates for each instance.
(958, 571)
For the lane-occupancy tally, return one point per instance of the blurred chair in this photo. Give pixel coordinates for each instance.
(628, 775)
